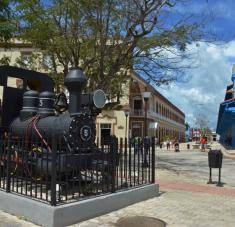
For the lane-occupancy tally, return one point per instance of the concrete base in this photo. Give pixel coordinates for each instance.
(68, 214)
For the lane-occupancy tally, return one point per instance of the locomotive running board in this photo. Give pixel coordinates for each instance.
(68, 214)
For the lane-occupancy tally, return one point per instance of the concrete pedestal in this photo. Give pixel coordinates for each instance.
(68, 214)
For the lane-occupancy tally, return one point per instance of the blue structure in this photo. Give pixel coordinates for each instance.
(226, 117)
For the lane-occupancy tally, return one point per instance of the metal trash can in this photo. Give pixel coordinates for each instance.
(188, 146)
(215, 158)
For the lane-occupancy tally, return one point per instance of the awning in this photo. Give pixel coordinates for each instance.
(153, 125)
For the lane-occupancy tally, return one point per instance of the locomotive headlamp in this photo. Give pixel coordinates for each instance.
(99, 98)
(96, 98)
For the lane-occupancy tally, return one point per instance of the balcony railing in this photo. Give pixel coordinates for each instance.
(137, 112)
(157, 115)
(152, 114)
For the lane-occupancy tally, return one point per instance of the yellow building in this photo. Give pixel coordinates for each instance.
(15, 50)
(163, 118)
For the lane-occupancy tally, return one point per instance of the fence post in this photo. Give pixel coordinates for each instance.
(113, 150)
(153, 160)
(8, 175)
(53, 171)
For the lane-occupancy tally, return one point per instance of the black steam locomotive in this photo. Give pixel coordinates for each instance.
(39, 120)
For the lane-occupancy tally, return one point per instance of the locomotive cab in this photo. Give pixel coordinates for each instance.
(14, 82)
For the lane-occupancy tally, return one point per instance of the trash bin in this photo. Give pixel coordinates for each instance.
(215, 158)
(188, 146)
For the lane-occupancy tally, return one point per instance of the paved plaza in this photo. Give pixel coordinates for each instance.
(185, 198)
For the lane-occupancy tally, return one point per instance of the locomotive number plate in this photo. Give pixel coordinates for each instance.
(85, 133)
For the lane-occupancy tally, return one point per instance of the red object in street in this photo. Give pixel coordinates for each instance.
(203, 140)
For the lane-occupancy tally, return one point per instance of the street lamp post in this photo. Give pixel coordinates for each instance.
(146, 96)
(127, 112)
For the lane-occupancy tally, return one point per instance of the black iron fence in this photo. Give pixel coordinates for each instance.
(52, 173)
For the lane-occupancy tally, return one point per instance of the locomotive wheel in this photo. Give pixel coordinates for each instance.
(14, 161)
(89, 188)
(31, 163)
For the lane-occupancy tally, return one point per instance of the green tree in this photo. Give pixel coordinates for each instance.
(5, 60)
(108, 38)
(36, 61)
(6, 24)
(187, 126)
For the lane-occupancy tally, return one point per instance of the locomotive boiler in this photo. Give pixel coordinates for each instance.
(76, 128)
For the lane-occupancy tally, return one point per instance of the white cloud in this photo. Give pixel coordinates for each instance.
(229, 50)
(205, 90)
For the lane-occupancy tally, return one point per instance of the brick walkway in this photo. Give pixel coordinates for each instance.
(197, 188)
(185, 201)
(177, 208)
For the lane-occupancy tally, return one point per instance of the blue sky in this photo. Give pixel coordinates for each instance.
(212, 67)
(219, 13)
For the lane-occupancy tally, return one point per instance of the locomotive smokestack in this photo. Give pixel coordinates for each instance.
(75, 81)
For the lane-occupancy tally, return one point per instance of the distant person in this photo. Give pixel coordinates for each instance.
(168, 145)
(161, 144)
(136, 144)
(203, 143)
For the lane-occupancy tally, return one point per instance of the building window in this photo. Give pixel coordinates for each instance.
(26, 57)
(15, 82)
(105, 130)
(47, 61)
(156, 107)
(137, 106)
